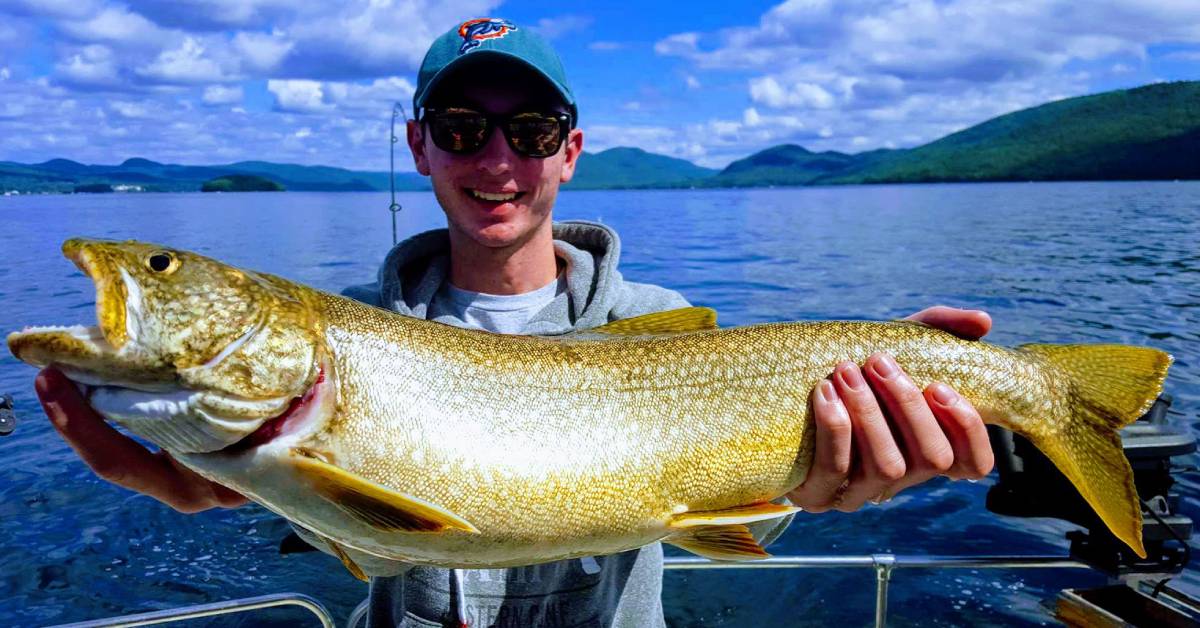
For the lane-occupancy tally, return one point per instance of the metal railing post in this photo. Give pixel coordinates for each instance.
(883, 564)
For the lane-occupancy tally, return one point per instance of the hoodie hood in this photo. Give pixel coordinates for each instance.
(415, 270)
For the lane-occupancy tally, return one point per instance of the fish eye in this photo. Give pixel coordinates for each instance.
(162, 262)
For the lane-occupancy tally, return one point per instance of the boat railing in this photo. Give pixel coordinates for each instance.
(214, 609)
(882, 564)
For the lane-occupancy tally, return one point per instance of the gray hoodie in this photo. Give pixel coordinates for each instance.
(622, 589)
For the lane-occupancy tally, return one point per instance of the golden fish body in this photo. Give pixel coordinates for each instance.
(421, 442)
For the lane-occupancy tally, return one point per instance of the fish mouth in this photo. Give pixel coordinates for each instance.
(83, 352)
(112, 292)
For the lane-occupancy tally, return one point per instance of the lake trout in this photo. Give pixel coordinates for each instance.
(421, 442)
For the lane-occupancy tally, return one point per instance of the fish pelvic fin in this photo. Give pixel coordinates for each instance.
(1110, 387)
(719, 542)
(352, 566)
(729, 516)
(377, 506)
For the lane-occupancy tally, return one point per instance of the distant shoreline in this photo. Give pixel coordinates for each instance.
(633, 189)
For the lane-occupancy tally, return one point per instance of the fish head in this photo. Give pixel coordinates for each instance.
(187, 351)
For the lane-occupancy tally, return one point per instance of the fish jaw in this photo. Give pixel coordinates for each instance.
(85, 355)
(112, 291)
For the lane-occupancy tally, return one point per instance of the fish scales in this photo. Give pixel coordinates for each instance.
(417, 441)
(557, 410)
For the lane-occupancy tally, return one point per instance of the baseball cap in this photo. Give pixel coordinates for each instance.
(490, 40)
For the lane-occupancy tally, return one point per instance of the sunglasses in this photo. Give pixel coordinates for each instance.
(464, 131)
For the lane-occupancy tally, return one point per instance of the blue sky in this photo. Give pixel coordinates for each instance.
(312, 82)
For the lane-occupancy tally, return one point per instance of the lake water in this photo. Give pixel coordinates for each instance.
(1061, 262)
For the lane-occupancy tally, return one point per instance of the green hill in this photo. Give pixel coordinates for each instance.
(789, 164)
(137, 174)
(623, 167)
(241, 183)
(1150, 132)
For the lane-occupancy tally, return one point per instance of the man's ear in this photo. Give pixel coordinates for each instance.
(573, 148)
(416, 144)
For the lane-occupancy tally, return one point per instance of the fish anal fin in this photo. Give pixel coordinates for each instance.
(372, 504)
(729, 516)
(340, 552)
(676, 321)
(720, 542)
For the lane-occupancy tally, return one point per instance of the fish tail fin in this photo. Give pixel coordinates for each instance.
(1110, 387)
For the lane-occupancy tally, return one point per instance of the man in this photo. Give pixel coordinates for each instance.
(497, 136)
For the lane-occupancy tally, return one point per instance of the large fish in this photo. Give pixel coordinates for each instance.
(421, 442)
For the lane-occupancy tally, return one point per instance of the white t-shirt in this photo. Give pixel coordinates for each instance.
(500, 313)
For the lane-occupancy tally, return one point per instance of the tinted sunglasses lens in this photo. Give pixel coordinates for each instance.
(535, 135)
(459, 132)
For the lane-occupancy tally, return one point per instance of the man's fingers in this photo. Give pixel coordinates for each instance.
(880, 462)
(968, 324)
(927, 451)
(110, 454)
(116, 457)
(831, 456)
(973, 458)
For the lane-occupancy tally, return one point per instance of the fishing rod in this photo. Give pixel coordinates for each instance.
(394, 208)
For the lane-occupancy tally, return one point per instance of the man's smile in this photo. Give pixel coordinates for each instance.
(495, 197)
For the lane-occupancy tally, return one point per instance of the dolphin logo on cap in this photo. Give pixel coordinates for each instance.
(479, 29)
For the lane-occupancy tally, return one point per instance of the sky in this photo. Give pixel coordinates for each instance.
(313, 82)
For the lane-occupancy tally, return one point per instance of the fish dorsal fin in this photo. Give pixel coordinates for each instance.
(725, 542)
(682, 320)
(372, 504)
(730, 516)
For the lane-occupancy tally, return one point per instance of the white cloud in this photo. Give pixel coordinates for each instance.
(299, 96)
(116, 25)
(186, 64)
(768, 91)
(691, 82)
(59, 9)
(89, 66)
(678, 45)
(556, 27)
(128, 109)
(358, 100)
(4, 73)
(262, 52)
(222, 95)
(1183, 55)
(606, 46)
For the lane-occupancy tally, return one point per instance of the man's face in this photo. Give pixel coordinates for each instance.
(529, 185)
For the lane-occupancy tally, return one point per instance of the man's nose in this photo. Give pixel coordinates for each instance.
(495, 157)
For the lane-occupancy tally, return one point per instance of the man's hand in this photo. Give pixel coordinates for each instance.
(120, 459)
(878, 434)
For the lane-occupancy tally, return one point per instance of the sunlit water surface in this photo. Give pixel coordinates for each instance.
(1073, 262)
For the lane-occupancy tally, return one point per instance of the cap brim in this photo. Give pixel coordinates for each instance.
(482, 57)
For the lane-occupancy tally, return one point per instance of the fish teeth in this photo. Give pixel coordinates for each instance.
(488, 196)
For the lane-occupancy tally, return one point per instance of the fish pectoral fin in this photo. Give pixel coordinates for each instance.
(375, 505)
(352, 566)
(729, 516)
(719, 542)
(676, 321)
